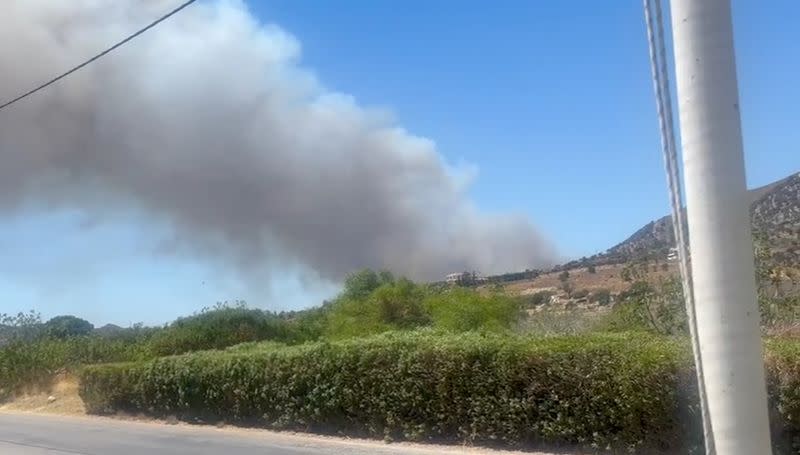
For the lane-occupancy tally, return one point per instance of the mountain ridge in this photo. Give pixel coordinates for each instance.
(774, 212)
(774, 215)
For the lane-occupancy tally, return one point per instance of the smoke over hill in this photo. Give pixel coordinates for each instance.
(210, 124)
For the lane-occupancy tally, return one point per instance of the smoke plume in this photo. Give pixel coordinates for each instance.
(210, 124)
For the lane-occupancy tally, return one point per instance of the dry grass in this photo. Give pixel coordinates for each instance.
(605, 277)
(64, 390)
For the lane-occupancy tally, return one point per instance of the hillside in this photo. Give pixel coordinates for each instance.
(774, 211)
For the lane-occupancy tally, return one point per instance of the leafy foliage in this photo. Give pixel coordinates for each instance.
(461, 310)
(403, 305)
(22, 326)
(659, 308)
(219, 327)
(30, 366)
(67, 326)
(32, 353)
(394, 305)
(359, 285)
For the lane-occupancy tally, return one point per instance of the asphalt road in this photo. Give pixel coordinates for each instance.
(32, 434)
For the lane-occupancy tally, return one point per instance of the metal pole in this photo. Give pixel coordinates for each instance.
(719, 226)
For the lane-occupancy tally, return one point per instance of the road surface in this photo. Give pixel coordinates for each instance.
(35, 434)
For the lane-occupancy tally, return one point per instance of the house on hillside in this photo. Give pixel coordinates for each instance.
(464, 279)
(672, 256)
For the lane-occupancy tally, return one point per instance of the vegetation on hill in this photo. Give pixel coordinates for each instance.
(401, 360)
(774, 212)
(33, 352)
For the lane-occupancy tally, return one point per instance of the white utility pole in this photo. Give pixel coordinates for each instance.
(719, 227)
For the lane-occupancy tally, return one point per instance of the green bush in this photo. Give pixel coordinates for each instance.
(783, 386)
(657, 308)
(463, 310)
(32, 365)
(620, 391)
(601, 297)
(404, 305)
(580, 294)
(218, 328)
(537, 299)
(395, 305)
(67, 326)
(32, 353)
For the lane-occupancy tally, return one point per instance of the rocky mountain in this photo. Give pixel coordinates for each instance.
(776, 215)
(774, 211)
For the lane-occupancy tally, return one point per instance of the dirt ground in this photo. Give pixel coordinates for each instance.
(605, 277)
(61, 399)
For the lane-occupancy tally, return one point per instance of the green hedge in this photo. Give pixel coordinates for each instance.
(601, 391)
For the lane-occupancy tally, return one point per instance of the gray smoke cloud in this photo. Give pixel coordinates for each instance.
(210, 124)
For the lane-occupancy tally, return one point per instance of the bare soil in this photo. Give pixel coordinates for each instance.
(61, 398)
(605, 277)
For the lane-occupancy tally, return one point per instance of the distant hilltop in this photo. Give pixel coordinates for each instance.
(775, 216)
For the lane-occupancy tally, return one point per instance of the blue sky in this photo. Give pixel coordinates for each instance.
(551, 101)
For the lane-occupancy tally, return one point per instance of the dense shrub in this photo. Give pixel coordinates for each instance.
(537, 299)
(67, 326)
(32, 353)
(600, 296)
(217, 328)
(394, 305)
(659, 308)
(783, 385)
(20, 327)
(403, 305)
(599, 390)
(580, 294)
(30, 366)
(359, 285)
(462, 310)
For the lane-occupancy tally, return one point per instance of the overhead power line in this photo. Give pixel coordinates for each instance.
(98, 56)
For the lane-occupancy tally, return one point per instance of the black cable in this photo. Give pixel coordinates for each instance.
(62, 76)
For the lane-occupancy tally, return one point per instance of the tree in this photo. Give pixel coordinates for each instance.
(539, 298)
(24, 326)
(67, 326)
(591, 269)
(400, 304)
(658, 308)
(601, 296)
(360, 284)
(566, 286)
(631, 273)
